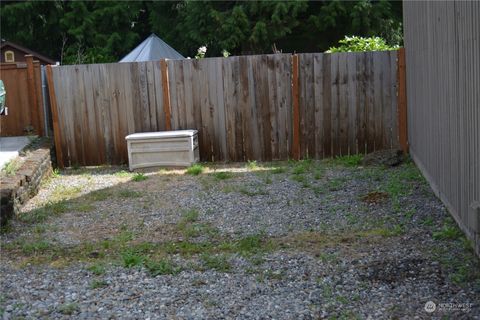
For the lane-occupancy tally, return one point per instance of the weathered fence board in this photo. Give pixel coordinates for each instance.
(243, 107)
(347, 103)
(24, 100)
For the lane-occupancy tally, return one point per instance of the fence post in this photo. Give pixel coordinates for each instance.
(56, 126)
(296, 111)
(402, 100)
(166, 94)
(32, 95)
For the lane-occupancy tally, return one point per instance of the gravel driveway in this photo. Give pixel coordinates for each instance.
(287, 240)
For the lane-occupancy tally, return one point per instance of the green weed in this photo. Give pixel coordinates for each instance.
(68, 308)
(195, 169)
(137, 177)
(278, 170)
(216, 262)
(222, 175)
(161, 267)
(252, 165)
(96, 269)
(131, 258)
(129, 194)
(348, 161)
(11, 167)
(98, 284)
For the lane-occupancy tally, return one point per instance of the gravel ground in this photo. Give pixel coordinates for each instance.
(299, 240)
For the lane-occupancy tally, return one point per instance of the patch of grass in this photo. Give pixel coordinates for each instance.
(449, 231)
(195, 169)
(252, 165)
(84, 207)
(96, 269)
(98, 284)
(302, 166)
(278, 170)
(428, 221)
(328, 257)
(123, 174)
(35, 247)
(190, 215)
(56, 173)
(127, 194)
(131, 258)
(222, 175)
(99, 195)
(348, 161)
(250, 245)
(301, 179)
(251, 192)
(161, 267)
(137, 177)
(68, 308)
(64, 193)
(336, 184)
(267, 178)
(217, 262)
(319, 173)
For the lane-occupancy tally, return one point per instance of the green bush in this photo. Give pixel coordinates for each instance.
(360, 44)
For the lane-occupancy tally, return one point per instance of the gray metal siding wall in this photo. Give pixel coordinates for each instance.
(442, 47)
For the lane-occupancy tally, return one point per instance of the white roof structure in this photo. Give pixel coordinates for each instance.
(151, 49)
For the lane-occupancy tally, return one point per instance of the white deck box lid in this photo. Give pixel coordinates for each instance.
(161, 134)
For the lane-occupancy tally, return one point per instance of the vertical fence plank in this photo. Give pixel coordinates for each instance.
(402, 101)
(296, 111)
(166, 95)
(55, 120)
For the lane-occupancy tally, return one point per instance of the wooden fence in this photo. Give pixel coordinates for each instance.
(443, 81)
(264, 107)
(23, 84)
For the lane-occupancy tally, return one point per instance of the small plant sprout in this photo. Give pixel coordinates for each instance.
(139, 177)
(195, 169)
(252, 165)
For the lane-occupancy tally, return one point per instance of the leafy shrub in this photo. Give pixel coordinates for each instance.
(360, 44)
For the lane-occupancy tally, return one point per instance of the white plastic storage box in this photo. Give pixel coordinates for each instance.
(164, 148)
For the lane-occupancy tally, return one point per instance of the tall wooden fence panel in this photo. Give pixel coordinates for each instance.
(23, 85)
(241, 106)
(348, 103)
(443, 90)
(99, 104)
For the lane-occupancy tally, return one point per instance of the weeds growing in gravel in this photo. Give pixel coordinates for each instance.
(216, 262)
(131, 258)
(126, 194)
(252, 165)
(123, 174)
(348, 161)
(68, 308)
(222, 175)
(161, 267)
(449, 231)
(137, 177)
(195, 169)
(96, 269)
(98, 284)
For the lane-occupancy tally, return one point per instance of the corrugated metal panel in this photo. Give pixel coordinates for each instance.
(442, 45)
